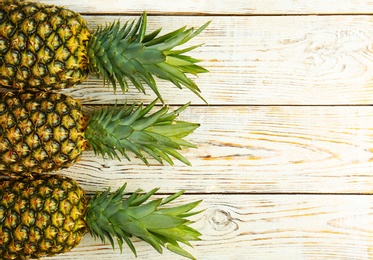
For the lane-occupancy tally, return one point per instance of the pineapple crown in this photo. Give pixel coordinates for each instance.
(111, 217)
(121, 53)
(111, 131)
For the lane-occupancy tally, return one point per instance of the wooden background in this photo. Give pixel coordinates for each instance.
(285, 158)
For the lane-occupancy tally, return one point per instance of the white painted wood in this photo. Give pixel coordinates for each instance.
(238, 227)
(221, 7)
(266, 60)
(262, 149)
(318, 60)
(281, 150)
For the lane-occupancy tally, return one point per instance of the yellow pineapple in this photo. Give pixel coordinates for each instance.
(50, 214)
(50, 47)
(44, 131)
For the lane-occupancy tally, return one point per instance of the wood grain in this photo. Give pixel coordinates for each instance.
(284, 160)
(221, 7)
(280, 60)
(267, 227)
(318, 60)
(259, 149)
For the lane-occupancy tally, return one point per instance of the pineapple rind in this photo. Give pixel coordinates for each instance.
(39, 132)
(40, 217)
(42, 46)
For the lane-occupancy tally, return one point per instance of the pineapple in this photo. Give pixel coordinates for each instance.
(45, 131)
(50, 214)
(50, 47)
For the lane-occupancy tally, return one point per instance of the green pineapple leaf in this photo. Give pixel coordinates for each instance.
(111, 217)
(125, 53)
(113, 132)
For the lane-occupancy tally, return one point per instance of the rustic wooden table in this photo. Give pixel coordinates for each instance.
(284, 164)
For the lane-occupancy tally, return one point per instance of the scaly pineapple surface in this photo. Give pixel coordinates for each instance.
(41, 46)
(39, 131)
(41, 217)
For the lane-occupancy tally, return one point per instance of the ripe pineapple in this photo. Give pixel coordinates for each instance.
(50, 47)
(49, 215)
(44, 131)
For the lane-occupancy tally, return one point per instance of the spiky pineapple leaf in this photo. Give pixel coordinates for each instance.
(113, 132)
(112, 217)
(172, 197)
(125, 53)
(179, 211)
(178, 250)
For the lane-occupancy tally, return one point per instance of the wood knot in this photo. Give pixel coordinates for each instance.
(221, 220)
(105, 166)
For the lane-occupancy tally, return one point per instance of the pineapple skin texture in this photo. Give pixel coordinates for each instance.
(42, 46)
(40, 217)
(39, 132)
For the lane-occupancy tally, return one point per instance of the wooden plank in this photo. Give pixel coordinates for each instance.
(267, 61)
(221, 7)
(259, 149)
(266, 227)
(258, 157)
